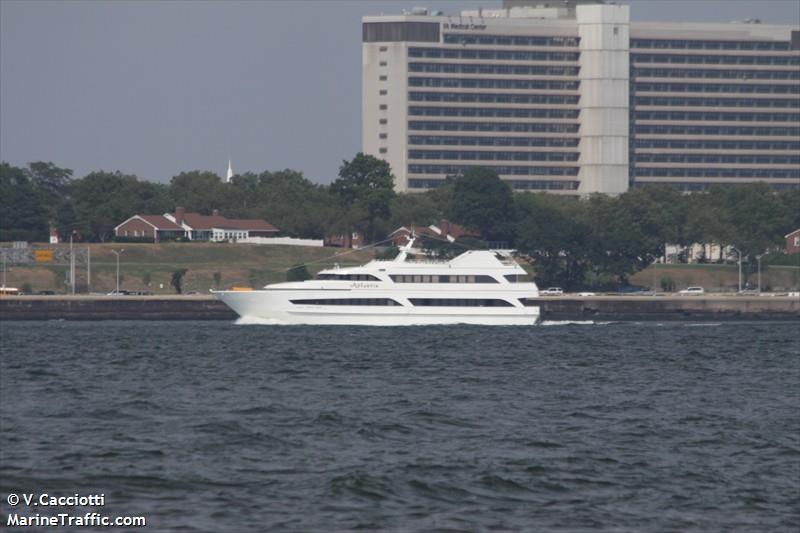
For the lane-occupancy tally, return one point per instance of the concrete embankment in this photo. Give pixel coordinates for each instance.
(728, 307)
(114, 308)
(599, 308)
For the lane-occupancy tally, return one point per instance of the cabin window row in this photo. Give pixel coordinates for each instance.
(349, 277)
(426, 278)
(348, 301)
(458, 302)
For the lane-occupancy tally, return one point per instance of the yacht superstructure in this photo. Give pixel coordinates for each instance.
(477, 287)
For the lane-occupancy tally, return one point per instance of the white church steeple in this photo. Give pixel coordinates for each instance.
(230, 172)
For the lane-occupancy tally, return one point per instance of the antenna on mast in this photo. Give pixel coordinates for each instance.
(406, 248)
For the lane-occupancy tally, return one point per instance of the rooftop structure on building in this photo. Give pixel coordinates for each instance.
(572, 97)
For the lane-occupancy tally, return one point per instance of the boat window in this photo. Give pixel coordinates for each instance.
(527, 302)
(517, 278)
(426, 278)
(347, 301)
(349, 277)
(459, 302)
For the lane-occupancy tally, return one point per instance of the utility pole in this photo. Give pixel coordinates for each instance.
(88, 269)
(758, 257)
(117, 253)
(740, 266)
(71, 264)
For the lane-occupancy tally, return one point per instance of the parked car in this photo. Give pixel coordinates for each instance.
(121, 292)
(551, 291)
(692, 290)
(586, 294)
(635, 290)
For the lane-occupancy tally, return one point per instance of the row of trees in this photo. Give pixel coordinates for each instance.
(41, 194)
(568, 240)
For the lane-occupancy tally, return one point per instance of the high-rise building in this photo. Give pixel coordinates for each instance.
(573, 98)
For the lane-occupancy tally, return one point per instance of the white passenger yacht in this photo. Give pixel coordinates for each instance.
(477, 287)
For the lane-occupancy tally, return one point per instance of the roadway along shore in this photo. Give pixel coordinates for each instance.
(567, 307)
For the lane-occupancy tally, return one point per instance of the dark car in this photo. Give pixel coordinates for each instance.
(635, 290)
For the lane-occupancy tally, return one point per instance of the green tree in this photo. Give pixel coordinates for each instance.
(294, 204)
(757, 218)
(413, 209)
(365, 183)
(552, 233)
(49, 177)
(52, 182)
(102, 200)
(662, 211)
(482, 201)
(284, 198)
(201, 192)
(297, 273)
(23, 212)
(790, 203)
(177, 280)
(621, 239)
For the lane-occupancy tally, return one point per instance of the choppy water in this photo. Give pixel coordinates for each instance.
(211, 426)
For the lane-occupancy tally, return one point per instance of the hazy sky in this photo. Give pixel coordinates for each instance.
(155, 88)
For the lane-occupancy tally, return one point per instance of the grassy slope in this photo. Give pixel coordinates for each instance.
(256, 265)
(238, 264)
(717, 277)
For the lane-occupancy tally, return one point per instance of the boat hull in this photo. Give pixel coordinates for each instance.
(275, 306)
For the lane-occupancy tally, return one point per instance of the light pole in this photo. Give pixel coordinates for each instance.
(758, 257)
(117, 253)
(740, 266)
(71, 264)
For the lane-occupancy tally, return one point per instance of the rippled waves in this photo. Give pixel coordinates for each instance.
(208, 426)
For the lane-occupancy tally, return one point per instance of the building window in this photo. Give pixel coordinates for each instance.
(382, 121)
(383, 92)
(382, 135)
(400, 31)
(383, 107)
(383, 49)
(521, 70)
(382, 63)
(464, 39)
(382, 78)
(382, 150)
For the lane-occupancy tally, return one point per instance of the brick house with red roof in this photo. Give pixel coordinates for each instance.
(151, 227)
(793, 242)
(194, 226)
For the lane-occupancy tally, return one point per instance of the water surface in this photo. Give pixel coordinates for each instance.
(213, 426)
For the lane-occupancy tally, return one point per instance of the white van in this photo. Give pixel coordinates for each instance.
(692, 290)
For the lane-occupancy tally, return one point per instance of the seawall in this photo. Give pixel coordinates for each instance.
(202, 307)
(600, 308)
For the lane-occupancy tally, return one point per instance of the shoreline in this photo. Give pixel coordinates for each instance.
(569, 307)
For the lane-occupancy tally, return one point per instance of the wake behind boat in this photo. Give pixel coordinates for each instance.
(477, 287)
